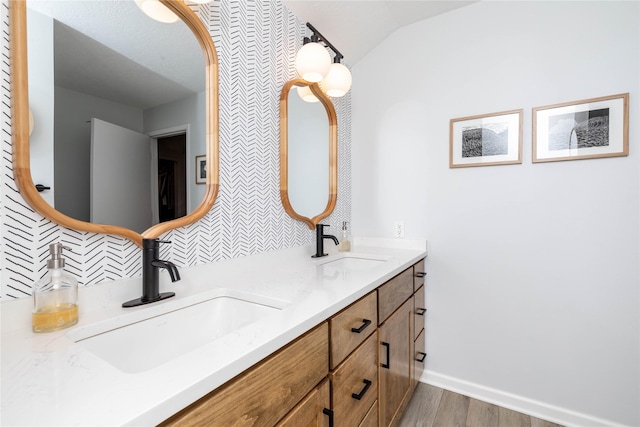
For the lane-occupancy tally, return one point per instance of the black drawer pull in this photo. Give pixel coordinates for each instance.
(420, 274)
(329, 413)
(360, 395)
(422, 357)
(388, 364)
(365, 323)
(421, 311)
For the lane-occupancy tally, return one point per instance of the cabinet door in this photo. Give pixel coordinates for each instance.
(313, 411)
(396, 361)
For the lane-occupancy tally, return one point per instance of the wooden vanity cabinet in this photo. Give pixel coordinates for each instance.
(357, 369)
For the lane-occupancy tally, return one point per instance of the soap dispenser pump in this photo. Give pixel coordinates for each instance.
(55, 296)
(345, 242)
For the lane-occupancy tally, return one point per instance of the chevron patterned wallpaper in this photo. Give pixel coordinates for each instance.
(256, 42)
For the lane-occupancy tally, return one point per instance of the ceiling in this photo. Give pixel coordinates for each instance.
(355, 27)
(89, 51)
(111, 50)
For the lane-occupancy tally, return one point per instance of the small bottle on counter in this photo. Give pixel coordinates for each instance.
(345, 241)
(55, 296)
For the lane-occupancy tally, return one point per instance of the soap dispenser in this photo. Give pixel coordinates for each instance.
(55, 296)
(345, 242)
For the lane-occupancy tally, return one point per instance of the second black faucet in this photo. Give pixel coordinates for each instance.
(320, 236)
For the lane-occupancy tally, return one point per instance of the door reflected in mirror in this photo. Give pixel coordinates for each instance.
(109, 88)
(308, 153)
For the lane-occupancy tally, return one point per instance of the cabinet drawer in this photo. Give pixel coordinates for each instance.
(394, 293)
(419, 358)
(371, 419)
(354, 384)
(419, 312)
(419, 274)
(311, 411)
(351, 327)
(264, 394)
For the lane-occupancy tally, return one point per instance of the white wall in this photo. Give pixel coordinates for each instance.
(533, 280)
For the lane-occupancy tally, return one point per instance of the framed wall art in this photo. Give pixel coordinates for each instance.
(591, 128)
(201, 169)
(485, 140)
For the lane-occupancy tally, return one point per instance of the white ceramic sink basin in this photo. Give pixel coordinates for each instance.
(148, 343)
(347, 265)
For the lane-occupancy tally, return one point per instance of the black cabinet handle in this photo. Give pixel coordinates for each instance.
(422, 357)
(388, 364)
(329, 413)
(360, 395)
(421, 311)
(420, 274)
(365, 323)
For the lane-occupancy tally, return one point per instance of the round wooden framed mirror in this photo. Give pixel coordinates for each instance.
(22, 160)
(308, 152)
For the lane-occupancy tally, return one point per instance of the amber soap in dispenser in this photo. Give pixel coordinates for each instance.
(55, 296)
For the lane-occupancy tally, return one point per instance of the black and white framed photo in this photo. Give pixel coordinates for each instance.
(587, 129)
(485, 140)
(201, 169)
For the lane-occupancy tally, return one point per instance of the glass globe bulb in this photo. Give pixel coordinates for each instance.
(156, 10)
(313, 62)
(305, 93)
(337, 82)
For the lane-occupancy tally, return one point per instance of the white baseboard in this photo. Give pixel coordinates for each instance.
(514, 402)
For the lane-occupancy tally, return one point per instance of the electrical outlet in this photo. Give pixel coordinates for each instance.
(399, 229)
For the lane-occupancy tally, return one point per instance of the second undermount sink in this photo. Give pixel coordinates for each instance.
(353, 262)
(148, 343)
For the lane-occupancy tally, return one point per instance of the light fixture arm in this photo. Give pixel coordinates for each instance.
(318, 37)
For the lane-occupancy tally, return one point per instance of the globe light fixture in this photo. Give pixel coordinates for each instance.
(313, 62)
(338, 81)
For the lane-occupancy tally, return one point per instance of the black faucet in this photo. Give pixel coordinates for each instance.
(150, 278)
(320, 236)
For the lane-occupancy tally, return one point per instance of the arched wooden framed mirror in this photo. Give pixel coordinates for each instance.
(308, 153)
(209, 126)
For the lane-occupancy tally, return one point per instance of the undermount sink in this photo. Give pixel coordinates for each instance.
(147, 343)
(353, 262)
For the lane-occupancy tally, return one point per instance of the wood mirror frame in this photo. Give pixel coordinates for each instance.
(284, 149)
(20, 127)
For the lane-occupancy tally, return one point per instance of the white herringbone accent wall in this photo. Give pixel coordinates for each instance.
(256, 43)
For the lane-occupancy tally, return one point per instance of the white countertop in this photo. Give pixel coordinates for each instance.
(48, 379)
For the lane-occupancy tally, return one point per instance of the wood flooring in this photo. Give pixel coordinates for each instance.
(434, 407)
